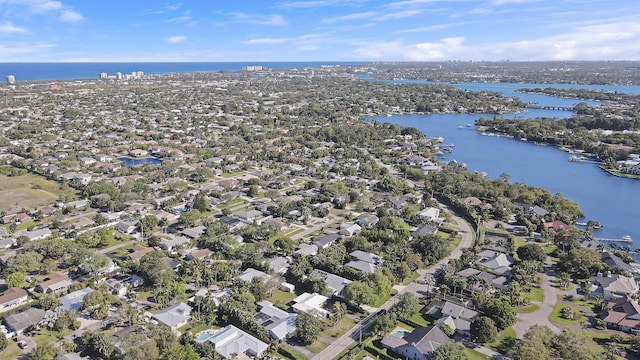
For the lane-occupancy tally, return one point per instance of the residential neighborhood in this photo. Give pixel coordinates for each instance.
(227, 215)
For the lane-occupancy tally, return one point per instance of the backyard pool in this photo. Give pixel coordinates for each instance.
(204, 335)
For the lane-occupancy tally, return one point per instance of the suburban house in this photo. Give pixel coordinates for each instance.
(418, 344)
(279, 265)
(39, 234)
(424, 230)
(311, 303)
(252, 273)
(456, 316)
(175, 316)
(20, 320)
(495, 261)
(307, 249)
(615, 262)
(347, 229)
(430, 214)
(612, 287)
(278, 322)
(12, 297)
(55, 282)
(230, 342)
(73, 300)
(335, 283)
(498, 282)
(326, 241)
(139, 251)
(623, 314)
(365, 262)
(367, 220)
(172, 242)
(194, 232)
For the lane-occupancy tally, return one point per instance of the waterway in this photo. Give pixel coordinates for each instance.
(613, 201)
(129, 161)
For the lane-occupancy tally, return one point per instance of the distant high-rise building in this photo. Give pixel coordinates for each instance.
(119, 75)
(253, 68)
(11, 79)
(103, 75)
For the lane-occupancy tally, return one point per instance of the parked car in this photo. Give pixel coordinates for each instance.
(22, 344)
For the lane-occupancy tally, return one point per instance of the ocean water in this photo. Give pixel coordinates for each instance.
(66, 71)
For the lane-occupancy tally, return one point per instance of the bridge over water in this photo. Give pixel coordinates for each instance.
(549, 107)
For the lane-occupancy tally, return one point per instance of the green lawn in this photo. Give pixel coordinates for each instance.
(526, 309)
(12, 351)
(410, 279)
(474, 355)
(503, 341)
(534, 293)
(281, 298)
(291, 354)
(556, 318)
(518, 242)
(420, 319)
(337, 330)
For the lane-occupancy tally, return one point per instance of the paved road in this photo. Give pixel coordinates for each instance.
(545, 308)
(467, 234)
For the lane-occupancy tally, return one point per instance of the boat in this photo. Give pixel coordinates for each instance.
(627, 238)
(460, 127)
(468, 125)
(578, 158)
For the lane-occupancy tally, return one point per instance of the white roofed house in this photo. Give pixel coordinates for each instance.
(231, 342)
(173, 242)
(350, 229)
(311, 303)
(278, 322)
(175, 316)
(34, 235)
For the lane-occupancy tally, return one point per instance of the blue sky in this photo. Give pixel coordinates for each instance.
(308, 30)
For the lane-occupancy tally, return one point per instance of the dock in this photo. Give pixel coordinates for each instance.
(624, 239)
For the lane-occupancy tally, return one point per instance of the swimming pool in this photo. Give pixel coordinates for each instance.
(204, 335)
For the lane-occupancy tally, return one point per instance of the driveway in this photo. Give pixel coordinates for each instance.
(545, 308)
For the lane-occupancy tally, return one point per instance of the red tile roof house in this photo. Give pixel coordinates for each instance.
(12, 297)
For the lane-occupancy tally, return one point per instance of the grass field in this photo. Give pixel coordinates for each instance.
(27, 191)
(556, 317)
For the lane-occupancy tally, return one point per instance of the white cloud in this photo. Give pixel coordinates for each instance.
(10, 28)
(435, 27)
(349, 17)
(173, 7)
(398, 15)
(273, 19)
(315, 4)
(176, 39)
(611, 41)
(69, 15)
(262, 41)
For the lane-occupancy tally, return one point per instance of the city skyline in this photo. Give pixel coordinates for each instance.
(333, 30)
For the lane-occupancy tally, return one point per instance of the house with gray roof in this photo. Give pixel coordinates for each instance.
(335, 283)
(418, 344)
(615, 262)
(73, 300)
(326, 241)
(612, 287)
(278, 322)
(251, 273)
(495, 261)
(365, 262)
(175, 316)
(307, 249)
(20, 320)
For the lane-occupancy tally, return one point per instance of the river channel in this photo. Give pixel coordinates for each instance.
(613, 201)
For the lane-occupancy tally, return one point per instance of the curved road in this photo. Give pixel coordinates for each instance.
(467, 234)
(545, 308)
